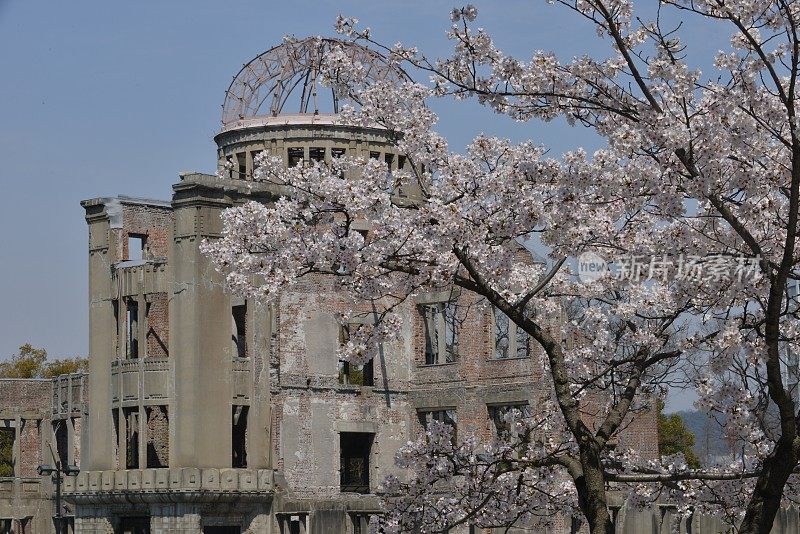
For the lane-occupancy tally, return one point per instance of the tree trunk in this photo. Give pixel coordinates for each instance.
(592, 490)
(766, 499)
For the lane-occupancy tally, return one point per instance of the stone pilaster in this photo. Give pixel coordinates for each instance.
(103, 217)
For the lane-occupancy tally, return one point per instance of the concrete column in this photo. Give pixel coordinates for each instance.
(121, 344)
(141, 420)
(259, 333)
(141, 321)
(16, 453)
(122, 438)
(249, 165)
(200, 344)
(102, 215)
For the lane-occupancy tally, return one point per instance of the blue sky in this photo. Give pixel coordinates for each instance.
(101, 98)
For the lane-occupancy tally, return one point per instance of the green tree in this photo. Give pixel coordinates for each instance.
(675, 437)
(31, 362)
(6, 452)
(65, 366)
(27, 363)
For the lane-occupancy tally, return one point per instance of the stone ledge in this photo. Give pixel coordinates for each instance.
(167, 485)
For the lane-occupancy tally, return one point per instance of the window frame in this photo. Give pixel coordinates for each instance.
(345, 368)
(426, 415)
(133, 345)
(440, 317)
(239, 334)
(513, 334)
(347, 485)
(499, 410)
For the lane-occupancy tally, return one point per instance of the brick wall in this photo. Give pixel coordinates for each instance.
(30, 446)
(154, 222)
(157, 436)
(470, 385)
(76, 440)
(157, 325)
(33, 394)
(27, 403)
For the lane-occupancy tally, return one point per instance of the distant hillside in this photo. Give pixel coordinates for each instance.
(709, 444)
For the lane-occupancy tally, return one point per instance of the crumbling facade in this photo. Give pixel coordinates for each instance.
(40, 424)
(205, 412)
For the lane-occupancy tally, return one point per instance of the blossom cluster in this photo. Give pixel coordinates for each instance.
(694, 172)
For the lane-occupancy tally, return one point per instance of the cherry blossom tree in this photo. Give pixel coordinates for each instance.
(690, 212)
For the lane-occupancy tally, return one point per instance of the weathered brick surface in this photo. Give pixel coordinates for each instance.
(30, 444)
(77, 424)
(22, 394)
(151, 221)
(469, 386)
(27, 403)
(311, 407)
(157, 436)
(157, 325)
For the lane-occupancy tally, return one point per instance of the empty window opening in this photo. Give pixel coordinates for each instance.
(375, 155)
(360, 522)
(614, 511)
(61, 434)
(7, 452)
(132, 334)
(116, 444)
(241, 165)
(401, 162)
(157, 437)
(354, 461)
(219, 529)
(337, 153)
(254, 159)
(292, 523)
(134, 525)
(295, 156)
(441, 332)
(5, 526)
(316, 153)
(137, 245)
(510, 341)
(351, 374)
(239, 437)
(447, 417)
(356, 375)
(239, 336)
(500, 416)
(389, 159)
(131, 438)
(115, 307)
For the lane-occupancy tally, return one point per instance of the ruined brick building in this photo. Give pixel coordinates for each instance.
(204, 412)
(40, 423)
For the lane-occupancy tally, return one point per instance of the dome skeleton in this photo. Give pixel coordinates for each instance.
(294, 66)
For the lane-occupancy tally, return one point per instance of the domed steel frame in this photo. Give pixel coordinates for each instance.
(274, 76)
